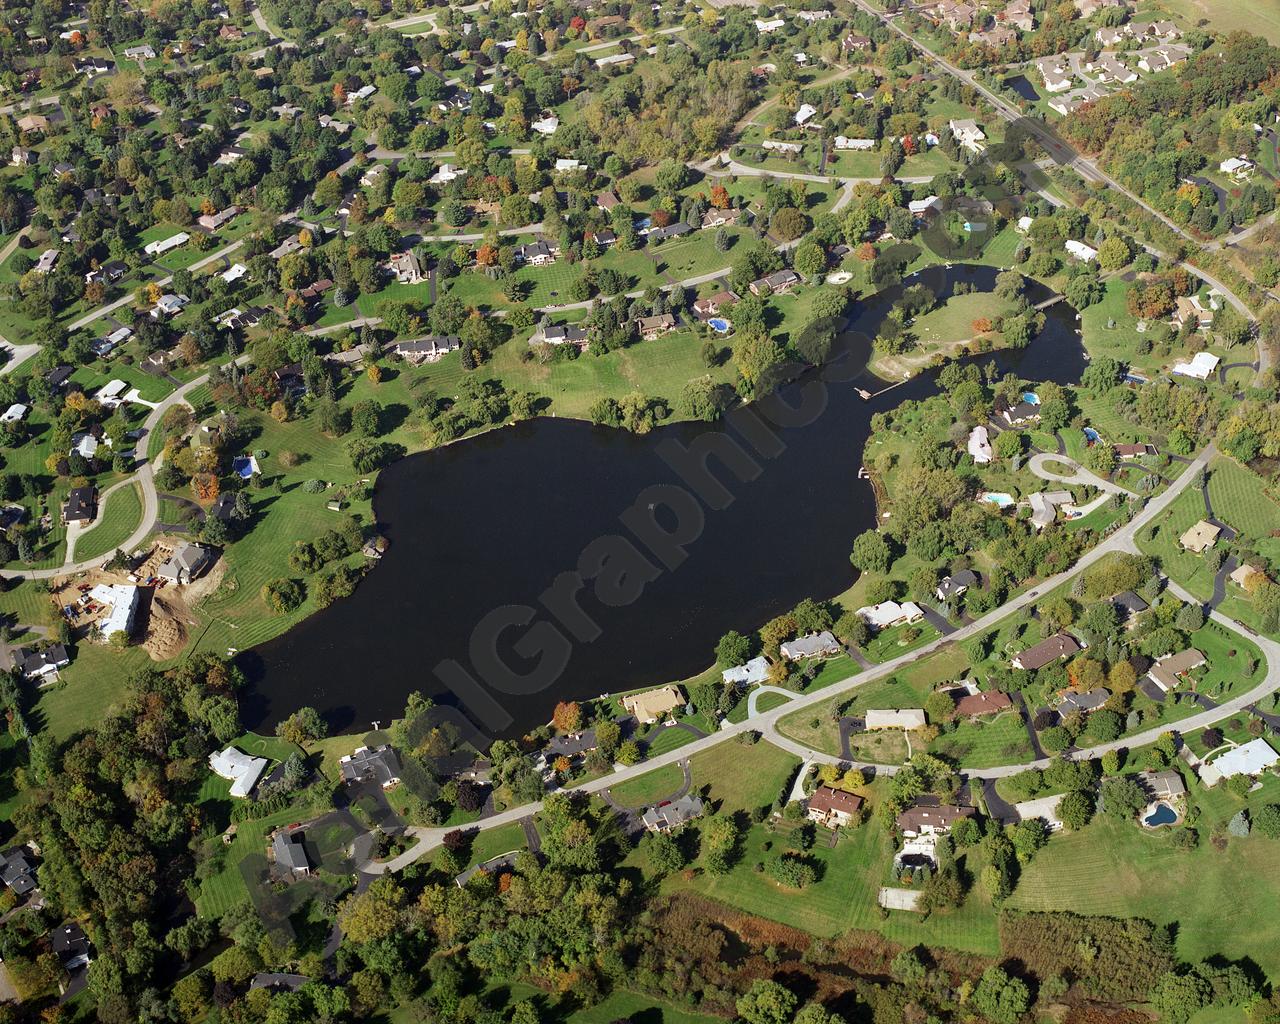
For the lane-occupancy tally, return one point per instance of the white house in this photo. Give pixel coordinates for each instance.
(778, 146)
(805, 113)
(968, 134)
(563, 164)
(980, 445)
(1082, 252)
(815, 645)
(895, 718)
(919, 207)
(546, 125)
(754, 671)
(772, 25)
(363, 93)
(162, 245)
(890, 613)
(121, 600)
(234, 272)
(1024, 224)
(1238, 167)
(844, 142)
(48, 259)
(1202, 364)
(1252, 758)
(14, 414)
(242, 770)
(446, 173)
(169, 305)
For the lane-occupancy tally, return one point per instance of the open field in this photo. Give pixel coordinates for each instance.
(657, 784)
(117, 519)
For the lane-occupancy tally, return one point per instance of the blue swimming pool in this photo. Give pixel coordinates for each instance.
(997, 498)
(1031, 396)
(719, 325)
(1162, 815)
(1091, 436)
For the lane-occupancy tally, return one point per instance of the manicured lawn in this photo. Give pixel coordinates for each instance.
(1240, 499)
(649, 788)
(623, 1005)
(734, 777)
(1161, 540)
(1120, 869)
(118, 518)
(979, 743)
(769, 701)
(91, 684)
(892, 643)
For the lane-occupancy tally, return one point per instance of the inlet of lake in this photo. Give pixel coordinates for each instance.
(486, 525)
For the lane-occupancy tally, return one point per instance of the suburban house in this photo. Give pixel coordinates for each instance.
(37, 663)
(1044, 506)
(18, 870)
(654, 704)
(925, 206)
(1017, 415)
(230, 155)
(1169, 671)
(603, 237)
(1201, 537)
(815, 645)
(162, 245)
(242, 770)
(286, 248)
(1082, 252)
(658, 235)
(967, 134)
(405, 267)
(887, 614)
(1044, 807)
(712, 305)
(956, 584)
(143, 51)
(546, 125)
(186, 563)
(1238, 167)
(1134, 451)
(1165, 785)
(275, 981)
(108, 273)
(778, 283)
(1128, 605)
(607, 200)
(988, 702)
(47, 261)
(804, 114)
(213, 221)
(561, 334)
(715, 218)
(1252, 758)
(844, 142)
(979, 445)
(536, 254)
(754, 671)
(1073, 701)
(1060, 645)
(833, 808)
(71, 946)
(854, 41)
(169, 305)
(779, 146)
(430, 349)
(895, 718)
(1242, 575)
(121, 601)
(289, 854)
(672, 814)
(1201, 366)
(81, 505)
(572, 745)
(371, 764)
(651, 327)
(930, 816)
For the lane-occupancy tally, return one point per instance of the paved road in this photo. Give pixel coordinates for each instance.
(766, 723)
(1042, 465)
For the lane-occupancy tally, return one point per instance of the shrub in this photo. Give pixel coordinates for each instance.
(313, 486)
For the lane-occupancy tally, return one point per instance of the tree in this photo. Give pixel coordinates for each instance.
(871, 552)
(665, 852)
(1122, 797)
(283, 595)
(567, 716)
(788, 223)
(303, 725)
(1266, 821)
(810, 259)
(1000, 998)
(733, 649)
(767, 1002)
(1179, 997)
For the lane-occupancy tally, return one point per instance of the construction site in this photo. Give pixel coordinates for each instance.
(152, 601)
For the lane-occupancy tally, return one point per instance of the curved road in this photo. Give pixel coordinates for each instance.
(1122, 539)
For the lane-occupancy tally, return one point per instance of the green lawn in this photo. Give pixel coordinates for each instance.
(649, 788)
(117, 520)
(91, 685)
(1117, 868)
(984, 743)
(721, 775)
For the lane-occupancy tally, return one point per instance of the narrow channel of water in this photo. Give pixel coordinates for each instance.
(491, 522)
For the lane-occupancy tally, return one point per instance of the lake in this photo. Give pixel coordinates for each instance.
(483, 528)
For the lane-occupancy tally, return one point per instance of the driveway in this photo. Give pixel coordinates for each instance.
(1069, 471)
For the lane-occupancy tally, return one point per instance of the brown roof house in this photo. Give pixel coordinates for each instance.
(988, 703)
(1060, 645)
(1201, 537)
(654, 704)
(833, 808)
(930, 816)
(1168, 671)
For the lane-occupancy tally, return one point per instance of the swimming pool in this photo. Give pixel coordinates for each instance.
(1091, 436)
(719, 325)
(1031, 397)
(1162, 815)
(998, 498)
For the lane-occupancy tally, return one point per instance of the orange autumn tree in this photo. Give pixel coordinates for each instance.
(487, 255)
(720, 197)
(205, 486)
(982, 325)
(567, 716)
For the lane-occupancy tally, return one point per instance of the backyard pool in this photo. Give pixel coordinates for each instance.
(998, 498)
(244, 466)
(1031, 397)
(1163, 814)
(1091, 436)
(719, 325)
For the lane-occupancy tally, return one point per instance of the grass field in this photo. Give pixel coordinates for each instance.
(119, 517)
(1118, 868)
(649, 788)
(721, 774)
(1262, 19)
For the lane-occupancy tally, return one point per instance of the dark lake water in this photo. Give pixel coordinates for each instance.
(487, 525)
(1023, 87)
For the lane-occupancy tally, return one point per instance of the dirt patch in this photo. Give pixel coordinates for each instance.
(166, 612)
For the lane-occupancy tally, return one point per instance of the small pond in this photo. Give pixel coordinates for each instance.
(1023, 87)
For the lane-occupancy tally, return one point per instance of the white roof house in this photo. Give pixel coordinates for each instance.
(162, 245)
(895, 718)
(1024, 223)
(363, 93)
(772, 25)
(112, 392)
(890, 613)
(814, 645)
(1202, 364)
(46, 261)
(980, 445)
(1045, 807)
(546, 125)
(14, 413)
(169, 305)
(754, 671)
(805, 113)
(242, 770)
(122, 602)
(844, 142)
(968, 134)
(1237, 166)
(1251, 758)
(234, 272)
(447, 173)
(1080, 251)
(564, 164)
(919, 207)
(781, 146)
